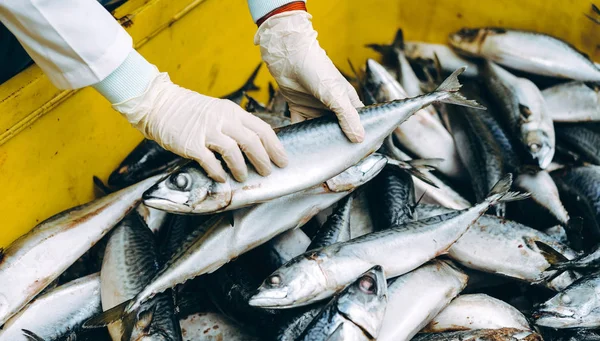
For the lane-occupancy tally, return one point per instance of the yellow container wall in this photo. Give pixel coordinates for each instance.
(53, 142)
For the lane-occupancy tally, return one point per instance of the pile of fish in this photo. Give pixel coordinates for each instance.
(471, 211)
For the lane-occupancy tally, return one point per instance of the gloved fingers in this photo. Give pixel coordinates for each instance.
(231, 154)
(210, 164)
(354, 99)
(307, 112)
(268, 139)
(252, 146)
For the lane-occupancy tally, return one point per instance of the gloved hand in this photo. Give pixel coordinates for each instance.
(306, 76)
(194, 126)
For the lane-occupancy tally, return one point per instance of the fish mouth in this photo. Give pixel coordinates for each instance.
(272, 299)
(165, 204)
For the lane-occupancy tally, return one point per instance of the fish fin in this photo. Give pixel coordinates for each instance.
(271, 92)
(501, 191)
(450, 87)
(596, 9)
(398, 42)
(416, 167)
(550, 254)
(597, 21)
(1, 254)
(253, 105)
(558, 262)
(250, 85)
(144, 320)
(31, 336)
(128, 323)
(107, 317)
(100, 186)
(413, 208)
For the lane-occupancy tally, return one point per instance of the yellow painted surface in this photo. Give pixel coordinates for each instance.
(53, 142)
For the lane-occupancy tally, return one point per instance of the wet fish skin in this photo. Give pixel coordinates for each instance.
(284, 247)
(584, 139)
(524, 110)
(575, 307)
(531, 52)
(417, 297)
(544, 192)
(449, 60)
(63, 309)
(422, 134)
(587, 261)
(392, 198)
(318, 274)
(355, 314)
(361, 221)
(337, 226)
(189, 190)
(148, 158)
(504, 247)
(153, 218)
(131, 259)
(226, 236)
(579, 189)
(573, 102)
(477, 311)
(504, 334)
(42, 250)
(478, 151)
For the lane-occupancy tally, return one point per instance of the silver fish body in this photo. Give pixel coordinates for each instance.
(573, 102)
(418, 296)
(544, 192)
(449, 60)
(526, 51)
(577, 306)
(336, 228)
(504, 334)
(320, 140)
(504, 247)
(522, 105)
(57, 312)
(477, 311)
(43, 252)
(226, 238)
(153, 218)
(130, 262)
(318, 274)
(355, 314)
(422, 134)
(286, 246)
(582, 138)
(361, 221)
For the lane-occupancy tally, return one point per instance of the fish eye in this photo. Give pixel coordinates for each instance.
(566, 299)
(367, 285)
(275, 280)
(181, 181)
(535, 147)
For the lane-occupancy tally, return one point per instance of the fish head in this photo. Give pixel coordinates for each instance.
(540, 147)
(364, 301)
(468, 40)
(298, 282)
(576, 306)
(188, 190)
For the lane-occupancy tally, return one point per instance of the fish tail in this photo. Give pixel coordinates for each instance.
(501, 192)
(558, 262)
(250, 84)
(107, 317)
(389, 51)
(417, 167)
(31, 336)
(253, 105)
(449, 91)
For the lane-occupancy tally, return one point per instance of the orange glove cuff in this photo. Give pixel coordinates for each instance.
(292, 6)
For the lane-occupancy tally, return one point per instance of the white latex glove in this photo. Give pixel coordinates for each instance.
(306, 77)
(194, 126)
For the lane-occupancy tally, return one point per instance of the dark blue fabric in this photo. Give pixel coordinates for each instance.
(13, 58)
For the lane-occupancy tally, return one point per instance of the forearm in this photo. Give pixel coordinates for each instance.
(260, 8)
(75, 42)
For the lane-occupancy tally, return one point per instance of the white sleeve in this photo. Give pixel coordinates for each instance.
(75, 42)
(260, 8)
